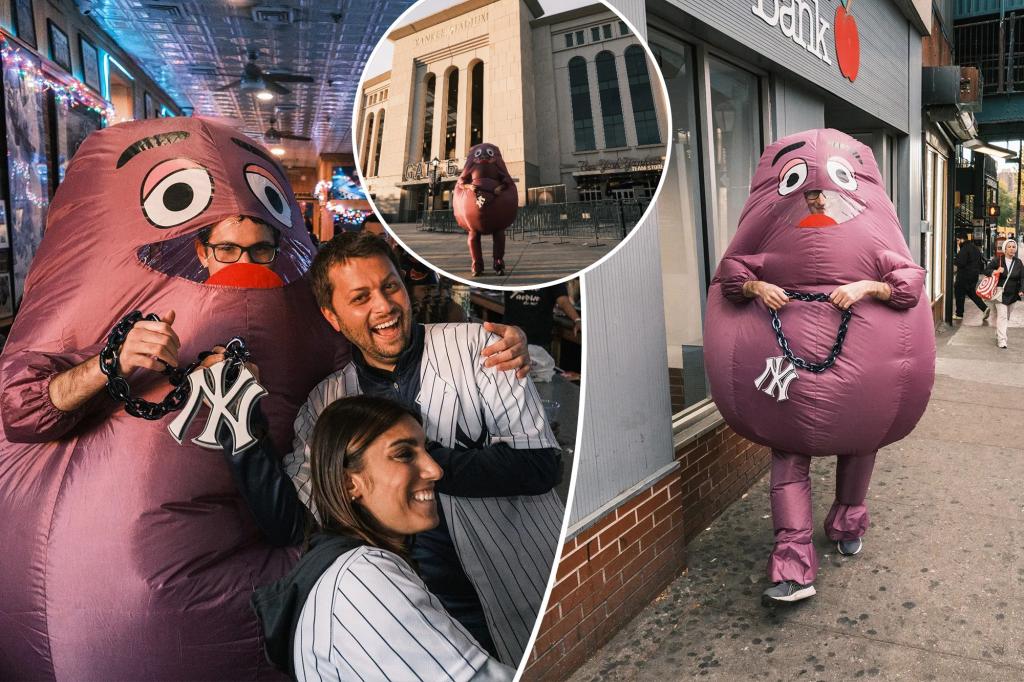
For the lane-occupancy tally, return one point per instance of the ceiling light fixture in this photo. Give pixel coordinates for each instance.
(264, 95)
(277, 151)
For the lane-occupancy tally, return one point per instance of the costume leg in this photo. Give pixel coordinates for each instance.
(848, 518)
(499, 245)
(475, 252)
(793, 557)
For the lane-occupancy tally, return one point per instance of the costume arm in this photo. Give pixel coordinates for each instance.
(735, 271)
(904, 277)
(264, 484)
(27, 410)
(380, 593)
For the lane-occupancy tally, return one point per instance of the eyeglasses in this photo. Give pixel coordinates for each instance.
(263, 253)
(812, 195)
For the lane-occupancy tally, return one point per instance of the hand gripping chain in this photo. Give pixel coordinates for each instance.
(235, 353)
(837, 347)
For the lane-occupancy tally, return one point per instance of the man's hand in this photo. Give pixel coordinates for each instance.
(848, 294)
(774, 297)
(217, 355)
(72, 388)
(153, 345)
(509, 352)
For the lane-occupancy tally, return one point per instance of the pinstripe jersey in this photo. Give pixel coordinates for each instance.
(506, 545)
(370, 617)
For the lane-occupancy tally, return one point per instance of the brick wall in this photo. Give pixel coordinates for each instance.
(610, 571)
(715, 470)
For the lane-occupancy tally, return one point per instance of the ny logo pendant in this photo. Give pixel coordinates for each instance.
(232, 407)
(777, 376)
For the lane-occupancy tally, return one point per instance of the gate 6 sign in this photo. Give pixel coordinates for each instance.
(229, 406)
(801, 21)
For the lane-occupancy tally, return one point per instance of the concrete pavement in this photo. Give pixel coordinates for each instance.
(527, 263)
(937, 593)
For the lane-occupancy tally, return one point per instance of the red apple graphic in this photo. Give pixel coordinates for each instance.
(847, 41)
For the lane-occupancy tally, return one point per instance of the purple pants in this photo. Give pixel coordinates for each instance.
(476, 251)
(793, 557)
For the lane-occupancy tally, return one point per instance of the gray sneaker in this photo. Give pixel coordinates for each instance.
(787, 591)
(984, 315)
(850, 547)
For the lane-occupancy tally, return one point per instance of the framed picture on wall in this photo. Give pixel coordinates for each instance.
(60, 46)
(90, 63)
(24, 21)
(148, 110)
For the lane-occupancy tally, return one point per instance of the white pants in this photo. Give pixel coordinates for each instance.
(1002, 315)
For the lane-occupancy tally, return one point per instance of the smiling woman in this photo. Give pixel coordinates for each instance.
(373, 482)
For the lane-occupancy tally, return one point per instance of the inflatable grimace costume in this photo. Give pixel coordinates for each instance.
(880, 383)
(485, 201)
(126, 555)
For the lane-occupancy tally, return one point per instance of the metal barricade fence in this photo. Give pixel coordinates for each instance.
(584, 220)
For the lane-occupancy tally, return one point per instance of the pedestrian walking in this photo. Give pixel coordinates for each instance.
(969, 264)
(1009, 289)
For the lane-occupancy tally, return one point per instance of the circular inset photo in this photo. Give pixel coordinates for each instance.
(511, 143)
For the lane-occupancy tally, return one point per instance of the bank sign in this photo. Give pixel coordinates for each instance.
(801, 21)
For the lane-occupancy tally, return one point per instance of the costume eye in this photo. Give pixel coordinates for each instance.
(478, 153)
(490, 152)
(270, 195)
(841, 172)
(175, 192)
(792, 176)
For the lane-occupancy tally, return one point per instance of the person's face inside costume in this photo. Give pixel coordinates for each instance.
(371, 307)
(395, 484)
(237, 240)
(815, 201)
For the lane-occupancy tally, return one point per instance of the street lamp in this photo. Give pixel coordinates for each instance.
(435, 181)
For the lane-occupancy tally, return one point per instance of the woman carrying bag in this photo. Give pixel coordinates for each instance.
(1009, 288)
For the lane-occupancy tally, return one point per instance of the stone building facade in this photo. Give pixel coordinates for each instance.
(571, 99)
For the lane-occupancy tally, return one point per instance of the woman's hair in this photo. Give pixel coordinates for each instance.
(342, 434)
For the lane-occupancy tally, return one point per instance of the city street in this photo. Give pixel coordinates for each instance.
(526, 262)
(936, 592)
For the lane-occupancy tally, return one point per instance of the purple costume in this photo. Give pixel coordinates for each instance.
(126, 555)
(878, 387)
(478, 210)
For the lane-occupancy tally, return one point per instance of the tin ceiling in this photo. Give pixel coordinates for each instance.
(193, 47)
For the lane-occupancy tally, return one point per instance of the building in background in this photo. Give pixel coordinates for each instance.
(570, 99)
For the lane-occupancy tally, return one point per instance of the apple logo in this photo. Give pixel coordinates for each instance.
(847, 41)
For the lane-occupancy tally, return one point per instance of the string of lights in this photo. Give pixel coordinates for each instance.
(74, 93)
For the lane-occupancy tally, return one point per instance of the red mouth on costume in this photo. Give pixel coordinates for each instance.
(246, 276)
(817, 220)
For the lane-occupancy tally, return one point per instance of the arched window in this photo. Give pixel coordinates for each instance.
(365, 149)
(476, 116)
(428, 115)
(579, 97)
(644, 115)
(452, 111)
(611, 103)
(380, 138)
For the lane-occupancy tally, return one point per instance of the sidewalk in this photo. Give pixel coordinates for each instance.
(937, 593)
(526, 262)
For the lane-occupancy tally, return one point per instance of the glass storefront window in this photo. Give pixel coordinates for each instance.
(736, 136)
(716, 144)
